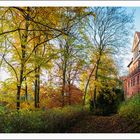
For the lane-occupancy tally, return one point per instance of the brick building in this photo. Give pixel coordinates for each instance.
(132, 81)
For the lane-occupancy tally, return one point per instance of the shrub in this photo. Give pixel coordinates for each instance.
(22, 121)
(107, 102)
(131, 108)
(53, 120)
(2, 110)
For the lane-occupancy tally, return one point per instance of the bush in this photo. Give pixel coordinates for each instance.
(2, 110)
(131, 108)
(22, 121)
(53, 120)
(107, 103)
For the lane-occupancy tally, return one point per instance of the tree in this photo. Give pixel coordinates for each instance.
(71, 57)
(20, 33)
(65, 46)
(109, 33)
(29, 38)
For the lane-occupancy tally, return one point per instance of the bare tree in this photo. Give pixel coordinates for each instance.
(109, 33)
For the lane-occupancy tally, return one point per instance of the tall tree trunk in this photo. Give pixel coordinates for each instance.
(18, 97)
(96, 79)
(23, 56)
(37, 87)
(63, 86)
(64, 69)
(21, 77)
(37, 81)
(38, 99)
(26, 90)
(69, 90)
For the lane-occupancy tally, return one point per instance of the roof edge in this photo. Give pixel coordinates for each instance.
(130, 63)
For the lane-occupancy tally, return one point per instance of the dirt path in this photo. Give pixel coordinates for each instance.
(102, 124)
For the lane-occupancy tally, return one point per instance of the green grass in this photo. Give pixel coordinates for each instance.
(131, 108)
(54, 120)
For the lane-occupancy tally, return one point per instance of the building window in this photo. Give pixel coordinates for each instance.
(131, 82)
(139, 64)
(128, 84)
(138, 79)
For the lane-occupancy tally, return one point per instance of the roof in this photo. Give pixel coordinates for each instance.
(123, 78)
(138, 35)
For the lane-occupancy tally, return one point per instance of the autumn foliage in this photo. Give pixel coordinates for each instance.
(59, 56)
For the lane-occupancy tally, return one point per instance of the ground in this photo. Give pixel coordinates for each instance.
(104, 124)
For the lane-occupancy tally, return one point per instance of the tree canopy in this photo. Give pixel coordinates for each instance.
(58, 56)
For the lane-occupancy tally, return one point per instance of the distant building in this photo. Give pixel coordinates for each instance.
(132, 81)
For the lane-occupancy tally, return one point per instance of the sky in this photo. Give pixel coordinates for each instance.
(137, 18)
(127, 58)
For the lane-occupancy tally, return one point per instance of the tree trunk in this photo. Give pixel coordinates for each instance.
(63, 90)
(20, 84)
(64, 83)
(86, 87)
(18, 97)
(23, 56)
(26, 90)
(37, 81)
(37, 87)
(96, 79)
(69, 96)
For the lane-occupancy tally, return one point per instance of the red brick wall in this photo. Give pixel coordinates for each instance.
(132, 85)
(132, 81)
